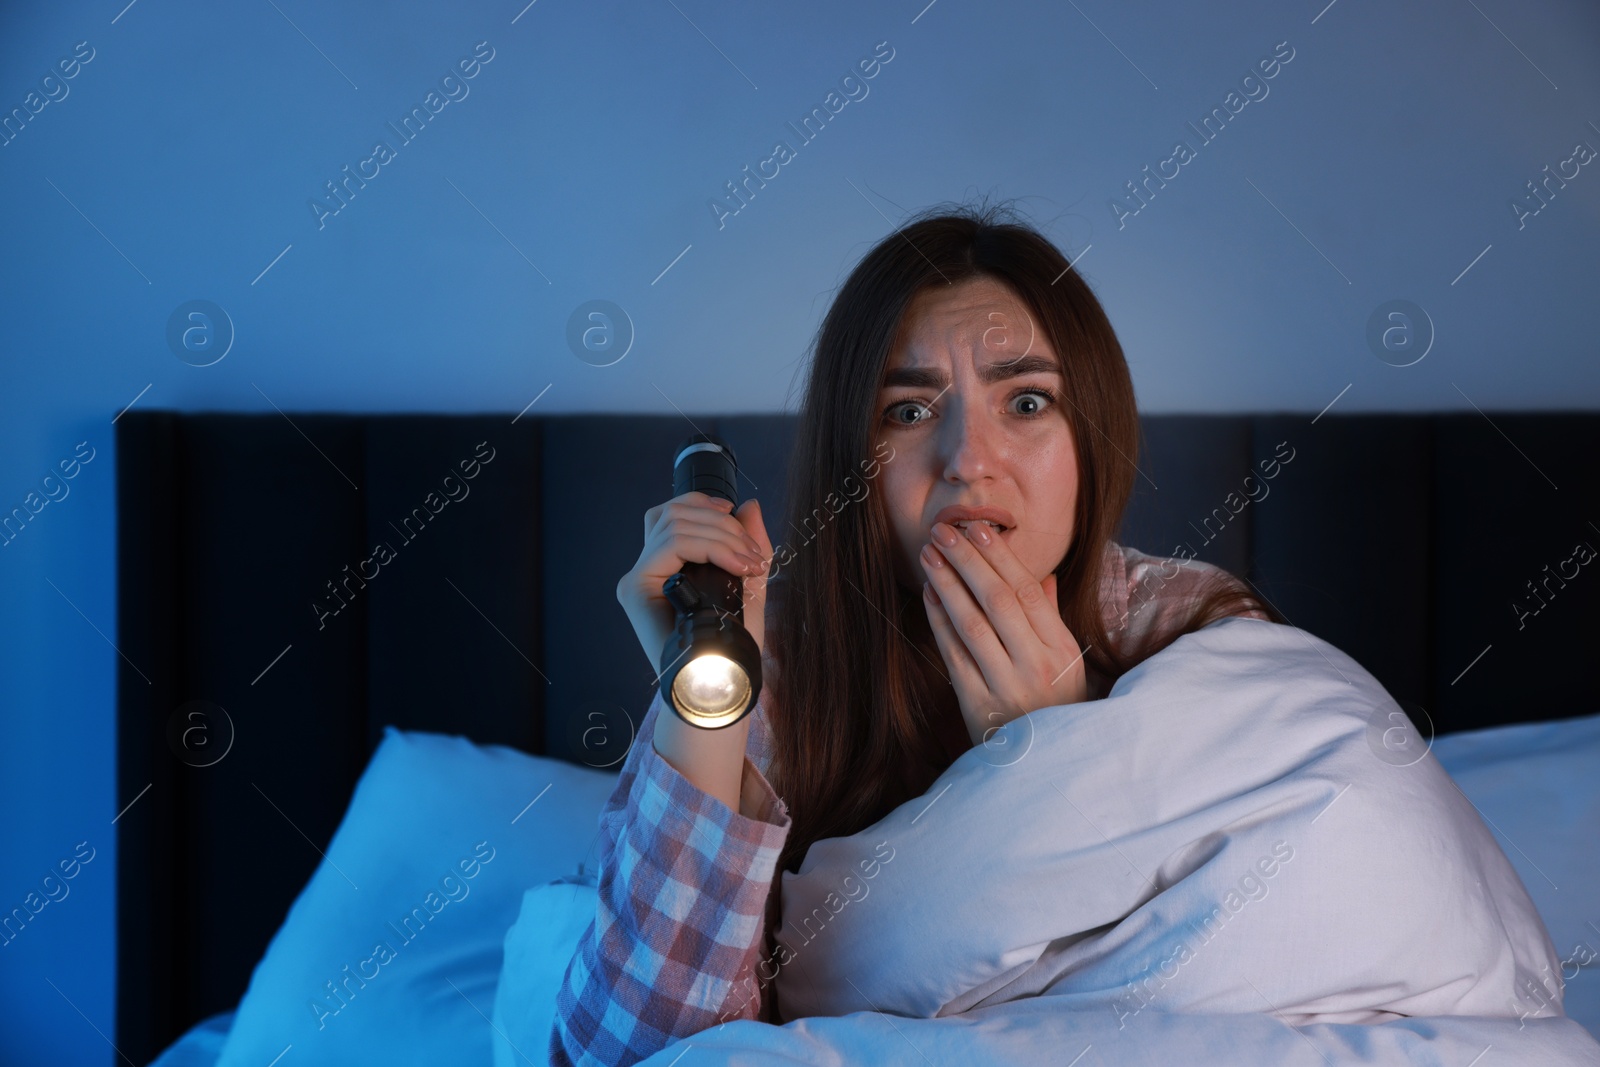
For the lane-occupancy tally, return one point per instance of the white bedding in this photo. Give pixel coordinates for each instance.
(1036, 1031)
(1243, 825)
(1194, 768)
(200, 1045)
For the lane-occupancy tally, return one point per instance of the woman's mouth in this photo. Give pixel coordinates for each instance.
(993, 527)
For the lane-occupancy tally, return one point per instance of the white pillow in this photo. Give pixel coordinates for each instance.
(1535, 782)
(538, 948)
(414, 897)
(1538, 789)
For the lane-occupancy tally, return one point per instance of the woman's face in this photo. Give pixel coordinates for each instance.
(969, 430)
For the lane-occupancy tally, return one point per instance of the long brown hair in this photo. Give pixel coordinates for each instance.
(860, 722)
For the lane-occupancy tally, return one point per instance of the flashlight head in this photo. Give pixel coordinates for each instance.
(711, 668)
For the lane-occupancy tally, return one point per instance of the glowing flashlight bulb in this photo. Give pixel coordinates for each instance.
(711, 687)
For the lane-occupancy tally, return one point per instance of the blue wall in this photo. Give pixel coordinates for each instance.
(1381, 161)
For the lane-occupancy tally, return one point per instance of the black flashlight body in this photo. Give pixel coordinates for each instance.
(708, 600)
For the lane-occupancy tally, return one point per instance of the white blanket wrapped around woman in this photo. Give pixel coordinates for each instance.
(1246, 823)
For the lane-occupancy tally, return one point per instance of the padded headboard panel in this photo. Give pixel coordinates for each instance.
(1407, 541)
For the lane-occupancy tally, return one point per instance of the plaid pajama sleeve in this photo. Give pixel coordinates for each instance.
(1147, 596)
(683, 891)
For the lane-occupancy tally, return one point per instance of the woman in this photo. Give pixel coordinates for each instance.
(971, 374)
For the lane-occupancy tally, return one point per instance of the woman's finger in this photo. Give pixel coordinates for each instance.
(979, 709)
(968, 622)
(754, 526)
(718, 545)
(727, 527)
(692, 507)
(964, 672)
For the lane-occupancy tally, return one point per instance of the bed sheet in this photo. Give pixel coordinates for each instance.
(1514, 774)
(200, 1045)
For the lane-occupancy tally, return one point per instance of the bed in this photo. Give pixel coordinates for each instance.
(279, 651)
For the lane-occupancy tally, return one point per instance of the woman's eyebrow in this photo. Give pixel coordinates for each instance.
(934, 378)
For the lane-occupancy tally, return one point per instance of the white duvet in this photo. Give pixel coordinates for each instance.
(1242, 854)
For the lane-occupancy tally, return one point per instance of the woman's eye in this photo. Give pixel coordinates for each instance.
(893, 411)
(1040, 406)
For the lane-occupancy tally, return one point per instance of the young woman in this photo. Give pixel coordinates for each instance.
(969, 382)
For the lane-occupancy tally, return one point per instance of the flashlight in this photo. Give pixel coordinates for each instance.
(711, 667)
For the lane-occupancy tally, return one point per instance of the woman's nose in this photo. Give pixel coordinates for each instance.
(968, 445)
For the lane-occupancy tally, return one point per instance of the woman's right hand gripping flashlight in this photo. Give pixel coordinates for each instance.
(698, 528)
(695, 528)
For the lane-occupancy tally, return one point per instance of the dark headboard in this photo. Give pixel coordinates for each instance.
(1404, 540)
